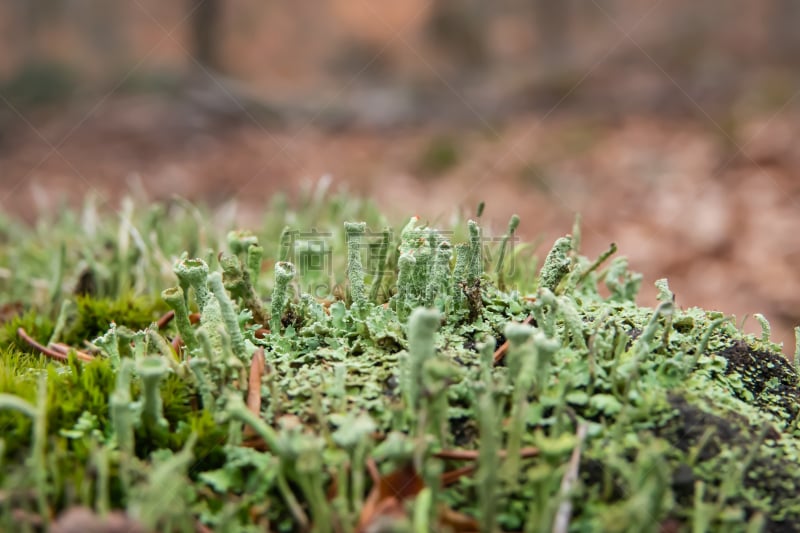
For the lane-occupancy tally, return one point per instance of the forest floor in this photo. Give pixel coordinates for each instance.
(712, 205)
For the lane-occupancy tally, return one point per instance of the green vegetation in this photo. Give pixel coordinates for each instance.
(40, 83)
(326, 374)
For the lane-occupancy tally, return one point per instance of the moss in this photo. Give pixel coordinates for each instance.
(94, 316)
(37, 325)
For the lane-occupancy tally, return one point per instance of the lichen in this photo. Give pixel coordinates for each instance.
(673, 418)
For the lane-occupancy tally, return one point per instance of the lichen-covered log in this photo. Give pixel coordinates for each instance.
(364, 414)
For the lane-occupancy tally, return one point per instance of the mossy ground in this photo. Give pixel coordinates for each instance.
(688, 424)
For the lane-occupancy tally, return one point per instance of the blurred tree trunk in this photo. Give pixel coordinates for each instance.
(34, 16)
(212, 94)
(459, 28)
(206, 32)
(553, 29)
(784, 31)
(103, 26)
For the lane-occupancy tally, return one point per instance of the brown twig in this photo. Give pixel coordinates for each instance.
(501, 351)
(451, 476)
(457, 455)
(34, 344)
(65, 348)
(50, 352)
(472, 455)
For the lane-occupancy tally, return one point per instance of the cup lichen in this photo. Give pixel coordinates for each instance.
(556, 396)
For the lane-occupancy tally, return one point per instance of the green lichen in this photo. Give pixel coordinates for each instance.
(175, 298)
(672, 418)
(556, 264)
(284, 274)
(513, 224)
(422, 325)
(229, 315)
(152, 370)
(355, 270)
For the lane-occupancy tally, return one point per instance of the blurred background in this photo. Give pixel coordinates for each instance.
(671, 126)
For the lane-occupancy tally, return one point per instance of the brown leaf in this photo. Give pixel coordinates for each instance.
(385, 500)
(387, 495)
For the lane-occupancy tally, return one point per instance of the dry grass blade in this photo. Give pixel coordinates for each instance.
(472, 455)
(257, 369)
(257, 366)
(561, 523)
(372, 469)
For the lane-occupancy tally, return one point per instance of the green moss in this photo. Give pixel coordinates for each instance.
(40, 84)
(37, 325)
(94, 316)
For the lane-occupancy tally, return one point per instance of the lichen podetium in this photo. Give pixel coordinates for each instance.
(440, 392)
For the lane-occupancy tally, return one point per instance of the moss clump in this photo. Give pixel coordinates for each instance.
(38, 326)
(641, 419)
(93, 316)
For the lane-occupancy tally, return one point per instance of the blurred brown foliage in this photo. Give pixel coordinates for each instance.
(671, 125)
(522, 48)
